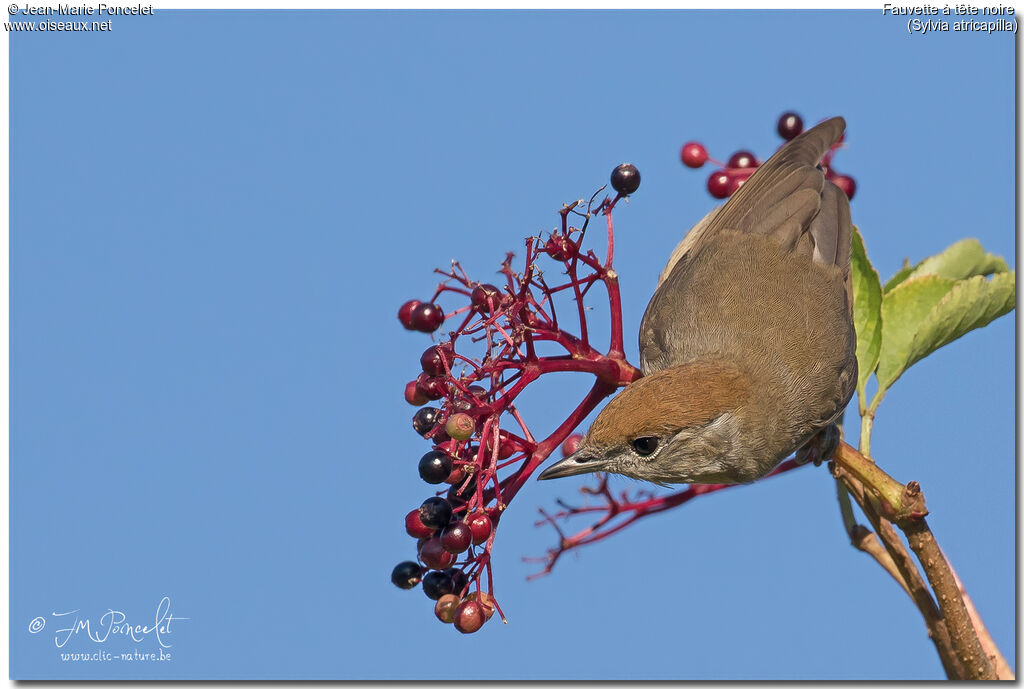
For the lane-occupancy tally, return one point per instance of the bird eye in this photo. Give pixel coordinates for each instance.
(645, 446)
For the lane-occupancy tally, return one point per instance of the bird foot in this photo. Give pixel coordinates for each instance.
(820, 447)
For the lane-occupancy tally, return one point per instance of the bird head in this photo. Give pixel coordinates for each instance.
(679, 425)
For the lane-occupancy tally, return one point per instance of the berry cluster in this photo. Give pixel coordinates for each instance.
(741, 164)
(481, 446)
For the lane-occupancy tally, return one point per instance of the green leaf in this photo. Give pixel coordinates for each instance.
(899, 277)
(963, 259)
(867, 310)
(903, 311)
(971, 304)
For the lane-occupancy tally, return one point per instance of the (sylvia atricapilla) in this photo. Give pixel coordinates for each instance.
(747, 347)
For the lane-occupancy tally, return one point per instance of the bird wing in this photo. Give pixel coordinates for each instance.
(787, 199)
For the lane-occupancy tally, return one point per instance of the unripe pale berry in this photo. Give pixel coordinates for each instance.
(460, 426)
(444, 609)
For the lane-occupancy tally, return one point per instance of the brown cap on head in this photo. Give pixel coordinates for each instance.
(677, 397)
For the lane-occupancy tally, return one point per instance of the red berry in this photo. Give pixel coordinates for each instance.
(693, 154)
(625, 179)
(413, 394)
(431, 388)
(846, 183)
(456, 538)
(444, 609)
(742, 159)
(460, 426)
(469, 616)
(426, 317)
(561, 248)
(405, 313)
(506, 448)
(433, 360)
(485, 601)
(415, 527)
(479, 527)
(571, 444)
(790, 125)
(485, 298)
(435, 556)
(718, 184)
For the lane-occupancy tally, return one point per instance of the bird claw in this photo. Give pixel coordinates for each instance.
(820, 447)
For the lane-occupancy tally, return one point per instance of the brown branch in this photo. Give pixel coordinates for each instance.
(961, 631)
(1002, 668)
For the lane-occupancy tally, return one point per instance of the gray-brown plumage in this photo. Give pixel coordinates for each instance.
(747, 346)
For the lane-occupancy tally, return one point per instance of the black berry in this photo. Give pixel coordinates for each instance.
(435, 466)
(625, 178)
(437, 584)
(424, 420)
(406, 574)
(435, 512)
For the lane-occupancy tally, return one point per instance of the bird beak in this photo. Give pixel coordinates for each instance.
(579, 462)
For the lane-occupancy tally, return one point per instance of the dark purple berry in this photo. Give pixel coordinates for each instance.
(790, 125)
(459, 579)
(424, 420)
(435, 512)
(431, 388)
(625, 178)
(435, 467)
(406, 574)
(435, 556)
(742, 159)
(437, 584)
(433, 360)
(405, 313)
(427, 317)
(485, 298)
(456, 538)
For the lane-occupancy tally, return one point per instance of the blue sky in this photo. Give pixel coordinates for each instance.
(215, 215)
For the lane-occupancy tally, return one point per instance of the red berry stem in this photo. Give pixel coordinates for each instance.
(632, 509)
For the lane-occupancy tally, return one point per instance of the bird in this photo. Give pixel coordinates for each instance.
(748, 347)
